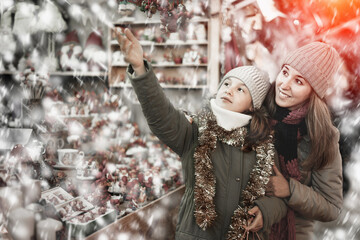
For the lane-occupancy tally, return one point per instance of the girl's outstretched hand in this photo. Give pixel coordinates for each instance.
(131, 49)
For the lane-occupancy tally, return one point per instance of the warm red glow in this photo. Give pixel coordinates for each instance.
(331, 12)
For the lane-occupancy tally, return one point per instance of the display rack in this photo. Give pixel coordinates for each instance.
(168, 205)
(58, 118)
(167, 55)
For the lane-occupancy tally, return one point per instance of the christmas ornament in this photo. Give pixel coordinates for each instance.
(50, 19)
(23, 164)
(173, 16)
(126, 9)
(94, 52)
(33, 83)
(25, 19)
(71, 58)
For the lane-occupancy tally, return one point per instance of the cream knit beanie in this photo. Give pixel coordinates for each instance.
(255, 80)
(317, 62)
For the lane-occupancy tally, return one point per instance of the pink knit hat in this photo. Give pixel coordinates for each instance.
(317, 62)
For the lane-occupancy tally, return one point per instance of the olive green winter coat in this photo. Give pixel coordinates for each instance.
(232, 166)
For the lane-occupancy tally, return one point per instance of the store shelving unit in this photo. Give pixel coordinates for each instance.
(186, 75)
(82, 74)
(167, 86)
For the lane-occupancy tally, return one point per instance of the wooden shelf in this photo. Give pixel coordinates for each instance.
(150, 43)
(167, 65)
(59, 73)
(74, 116)
(150, 21)
(166, 86)
(79, 74)
(9, 72)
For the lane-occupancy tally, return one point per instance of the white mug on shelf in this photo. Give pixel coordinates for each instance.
(69, 156)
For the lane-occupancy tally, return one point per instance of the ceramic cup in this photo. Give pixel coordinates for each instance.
(69, 157)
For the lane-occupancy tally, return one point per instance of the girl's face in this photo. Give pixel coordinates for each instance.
(291, 89)
(233, 95)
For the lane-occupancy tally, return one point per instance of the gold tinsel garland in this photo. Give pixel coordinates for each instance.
(204, 190)
(259, 177)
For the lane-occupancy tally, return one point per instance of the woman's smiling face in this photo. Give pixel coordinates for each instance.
(233, 95)
(291, 89)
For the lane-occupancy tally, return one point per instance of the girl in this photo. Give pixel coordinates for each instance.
(310, 176)
(227, 152)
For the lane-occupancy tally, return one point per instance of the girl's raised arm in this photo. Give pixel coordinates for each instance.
(131, 49)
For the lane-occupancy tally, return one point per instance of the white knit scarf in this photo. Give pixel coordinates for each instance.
(228, 119)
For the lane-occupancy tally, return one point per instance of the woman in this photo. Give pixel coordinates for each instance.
(310, 176)
(226, 152)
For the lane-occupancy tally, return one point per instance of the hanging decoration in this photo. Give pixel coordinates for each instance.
(94, 52)
(174, 16)
(71, 53)
(126, 9)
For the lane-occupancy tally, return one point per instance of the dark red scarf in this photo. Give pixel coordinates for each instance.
(289, 128)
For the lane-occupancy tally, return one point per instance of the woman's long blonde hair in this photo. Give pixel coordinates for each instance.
(320, 129)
